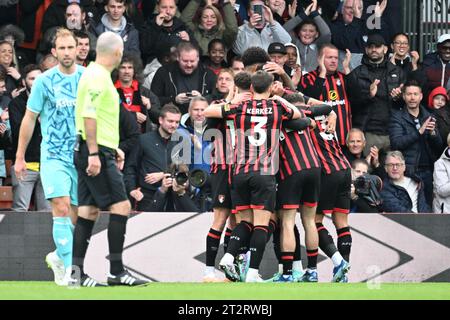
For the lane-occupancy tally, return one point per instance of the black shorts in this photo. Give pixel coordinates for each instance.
(300, 188)
(254, 191)
(335, 192)
(105, 189)
(220, 189)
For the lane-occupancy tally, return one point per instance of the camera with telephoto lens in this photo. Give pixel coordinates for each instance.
(368, 187)
(181, 177)
(198, 178)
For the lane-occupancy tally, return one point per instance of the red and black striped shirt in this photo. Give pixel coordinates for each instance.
(327, 147)
(331, 90)
(222, 153)
(297, 152)
(258, 126)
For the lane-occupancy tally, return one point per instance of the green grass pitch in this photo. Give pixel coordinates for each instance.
(30, 290)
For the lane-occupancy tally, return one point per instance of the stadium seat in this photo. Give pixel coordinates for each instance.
(6, 197)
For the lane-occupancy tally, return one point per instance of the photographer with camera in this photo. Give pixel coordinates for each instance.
(365, 188)
(192, 127)
(172, 195)
(146, 174)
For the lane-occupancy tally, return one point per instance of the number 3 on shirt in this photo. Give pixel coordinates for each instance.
(262, 135)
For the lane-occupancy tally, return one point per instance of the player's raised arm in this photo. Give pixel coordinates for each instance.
(214, 110)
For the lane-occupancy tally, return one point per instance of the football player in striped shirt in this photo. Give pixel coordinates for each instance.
(220, 176)
(334, 198)
(298, 188)
(258, 123)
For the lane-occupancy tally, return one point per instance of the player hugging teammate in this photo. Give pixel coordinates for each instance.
(291, 145)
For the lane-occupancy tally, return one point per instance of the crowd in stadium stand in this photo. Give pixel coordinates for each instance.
(392, 105)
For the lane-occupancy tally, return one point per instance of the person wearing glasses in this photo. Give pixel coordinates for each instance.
(402, 193)
(403, 57)
(413, 131)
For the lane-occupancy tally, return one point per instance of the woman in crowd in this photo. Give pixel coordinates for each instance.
(216, 56)
(15, 36)
(210, 24)
(13, 76)
(402, 57)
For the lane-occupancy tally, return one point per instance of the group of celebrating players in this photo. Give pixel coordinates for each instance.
(276, 156)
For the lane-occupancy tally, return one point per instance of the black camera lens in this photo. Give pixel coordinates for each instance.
(198, 178)
(181, 178)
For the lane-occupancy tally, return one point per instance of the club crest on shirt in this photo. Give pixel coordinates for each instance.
(332, 95)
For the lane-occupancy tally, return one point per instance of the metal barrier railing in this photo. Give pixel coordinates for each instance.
(424, 21)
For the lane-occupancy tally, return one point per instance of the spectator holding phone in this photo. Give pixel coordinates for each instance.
(413, 132)
(183, 79)
(260, 30)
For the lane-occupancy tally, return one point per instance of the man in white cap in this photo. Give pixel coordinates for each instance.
(436, 66)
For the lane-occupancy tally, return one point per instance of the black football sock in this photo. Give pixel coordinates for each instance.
(298, 251)
(276, 244)
(81, 236)
(212, 246)
(326, 243)
(226, 239)
(273, 225)
(312, 258)
(258, 245)
(240, 238)
(344, 242)
(287, 259)
(116, 237)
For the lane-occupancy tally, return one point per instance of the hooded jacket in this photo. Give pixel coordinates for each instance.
(127, 32)
(308, 57)
(372, 114)
(250, 37)
(441, 183)
(200, 158)
(436, 91)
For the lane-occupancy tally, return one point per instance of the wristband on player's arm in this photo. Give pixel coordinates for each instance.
(297, 124)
